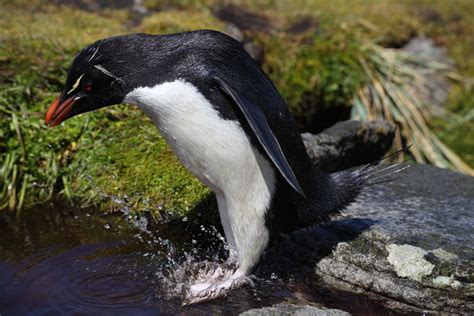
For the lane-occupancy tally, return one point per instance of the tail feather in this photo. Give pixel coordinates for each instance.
(372, 173)
(371, 180)
(349, 183)
(332, 193)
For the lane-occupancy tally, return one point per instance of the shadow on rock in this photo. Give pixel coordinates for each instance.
(297, 253)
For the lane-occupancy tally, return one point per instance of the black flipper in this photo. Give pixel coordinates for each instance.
(259, 125)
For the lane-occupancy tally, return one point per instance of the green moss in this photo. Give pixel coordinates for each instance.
(125, 155)
(120, 153)
(458, 131)
(172, 21)
(315, 71)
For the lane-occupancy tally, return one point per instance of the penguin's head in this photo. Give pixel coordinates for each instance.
(103, 73)
(94, 81)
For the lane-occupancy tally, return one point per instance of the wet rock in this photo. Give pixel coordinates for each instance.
(409, 243)
(290, 309)
(349, 143)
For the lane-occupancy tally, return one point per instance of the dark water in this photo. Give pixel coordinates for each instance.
(62, 261)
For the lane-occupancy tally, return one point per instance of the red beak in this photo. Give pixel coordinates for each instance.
(59, 112)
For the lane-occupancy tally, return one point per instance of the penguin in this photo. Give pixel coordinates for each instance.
(226, 122)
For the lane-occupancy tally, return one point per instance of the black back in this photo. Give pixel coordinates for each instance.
(201, 56)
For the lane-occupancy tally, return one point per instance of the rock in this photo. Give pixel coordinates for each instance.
(407, 245)
(410, 242)
(254, 51)
(284, 309)
(425, 47)
(245, 19)
(349, 143)
(409, 261)
(233, 31)
(436, 88)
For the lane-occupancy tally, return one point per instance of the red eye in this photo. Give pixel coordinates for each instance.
(87, 88)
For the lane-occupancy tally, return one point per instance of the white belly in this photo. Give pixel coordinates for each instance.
(219, 153)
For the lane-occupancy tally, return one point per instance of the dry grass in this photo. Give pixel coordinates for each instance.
(394, 83)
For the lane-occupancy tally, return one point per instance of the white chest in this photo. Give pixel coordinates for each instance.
(219, 153)
(215, 150)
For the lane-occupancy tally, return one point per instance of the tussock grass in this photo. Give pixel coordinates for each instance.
(394, 83)
(387, 24)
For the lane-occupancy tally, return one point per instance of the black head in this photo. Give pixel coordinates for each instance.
(105, 72)
(93, 82)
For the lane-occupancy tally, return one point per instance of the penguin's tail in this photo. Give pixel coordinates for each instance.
(348, 184)
(377, 172)
(335, 191)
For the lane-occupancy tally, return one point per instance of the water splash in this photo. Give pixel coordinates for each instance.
(177, 269)
(123, 205)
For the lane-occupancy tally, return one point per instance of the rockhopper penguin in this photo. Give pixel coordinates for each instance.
(226, 122)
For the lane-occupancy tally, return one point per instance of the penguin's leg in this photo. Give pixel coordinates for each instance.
(251, 236)
(244, 207)
(226, 225)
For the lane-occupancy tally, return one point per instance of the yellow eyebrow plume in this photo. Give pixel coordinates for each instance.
(76, 84)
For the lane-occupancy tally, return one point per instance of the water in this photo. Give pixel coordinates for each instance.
(58, 260)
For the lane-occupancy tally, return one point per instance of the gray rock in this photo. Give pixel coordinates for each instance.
(436, 88)
(408, 243)
(349, 143)
(285, 309)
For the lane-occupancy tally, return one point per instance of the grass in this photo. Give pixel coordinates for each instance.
(333, 64)
(315, 71)
(390, 24)
(39, 164)
(394, 83)
(344, 65)
(136, 165)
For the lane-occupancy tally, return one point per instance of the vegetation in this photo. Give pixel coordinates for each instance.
(332, 63)
(345, 64)
(38, 163)
(394, 84)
